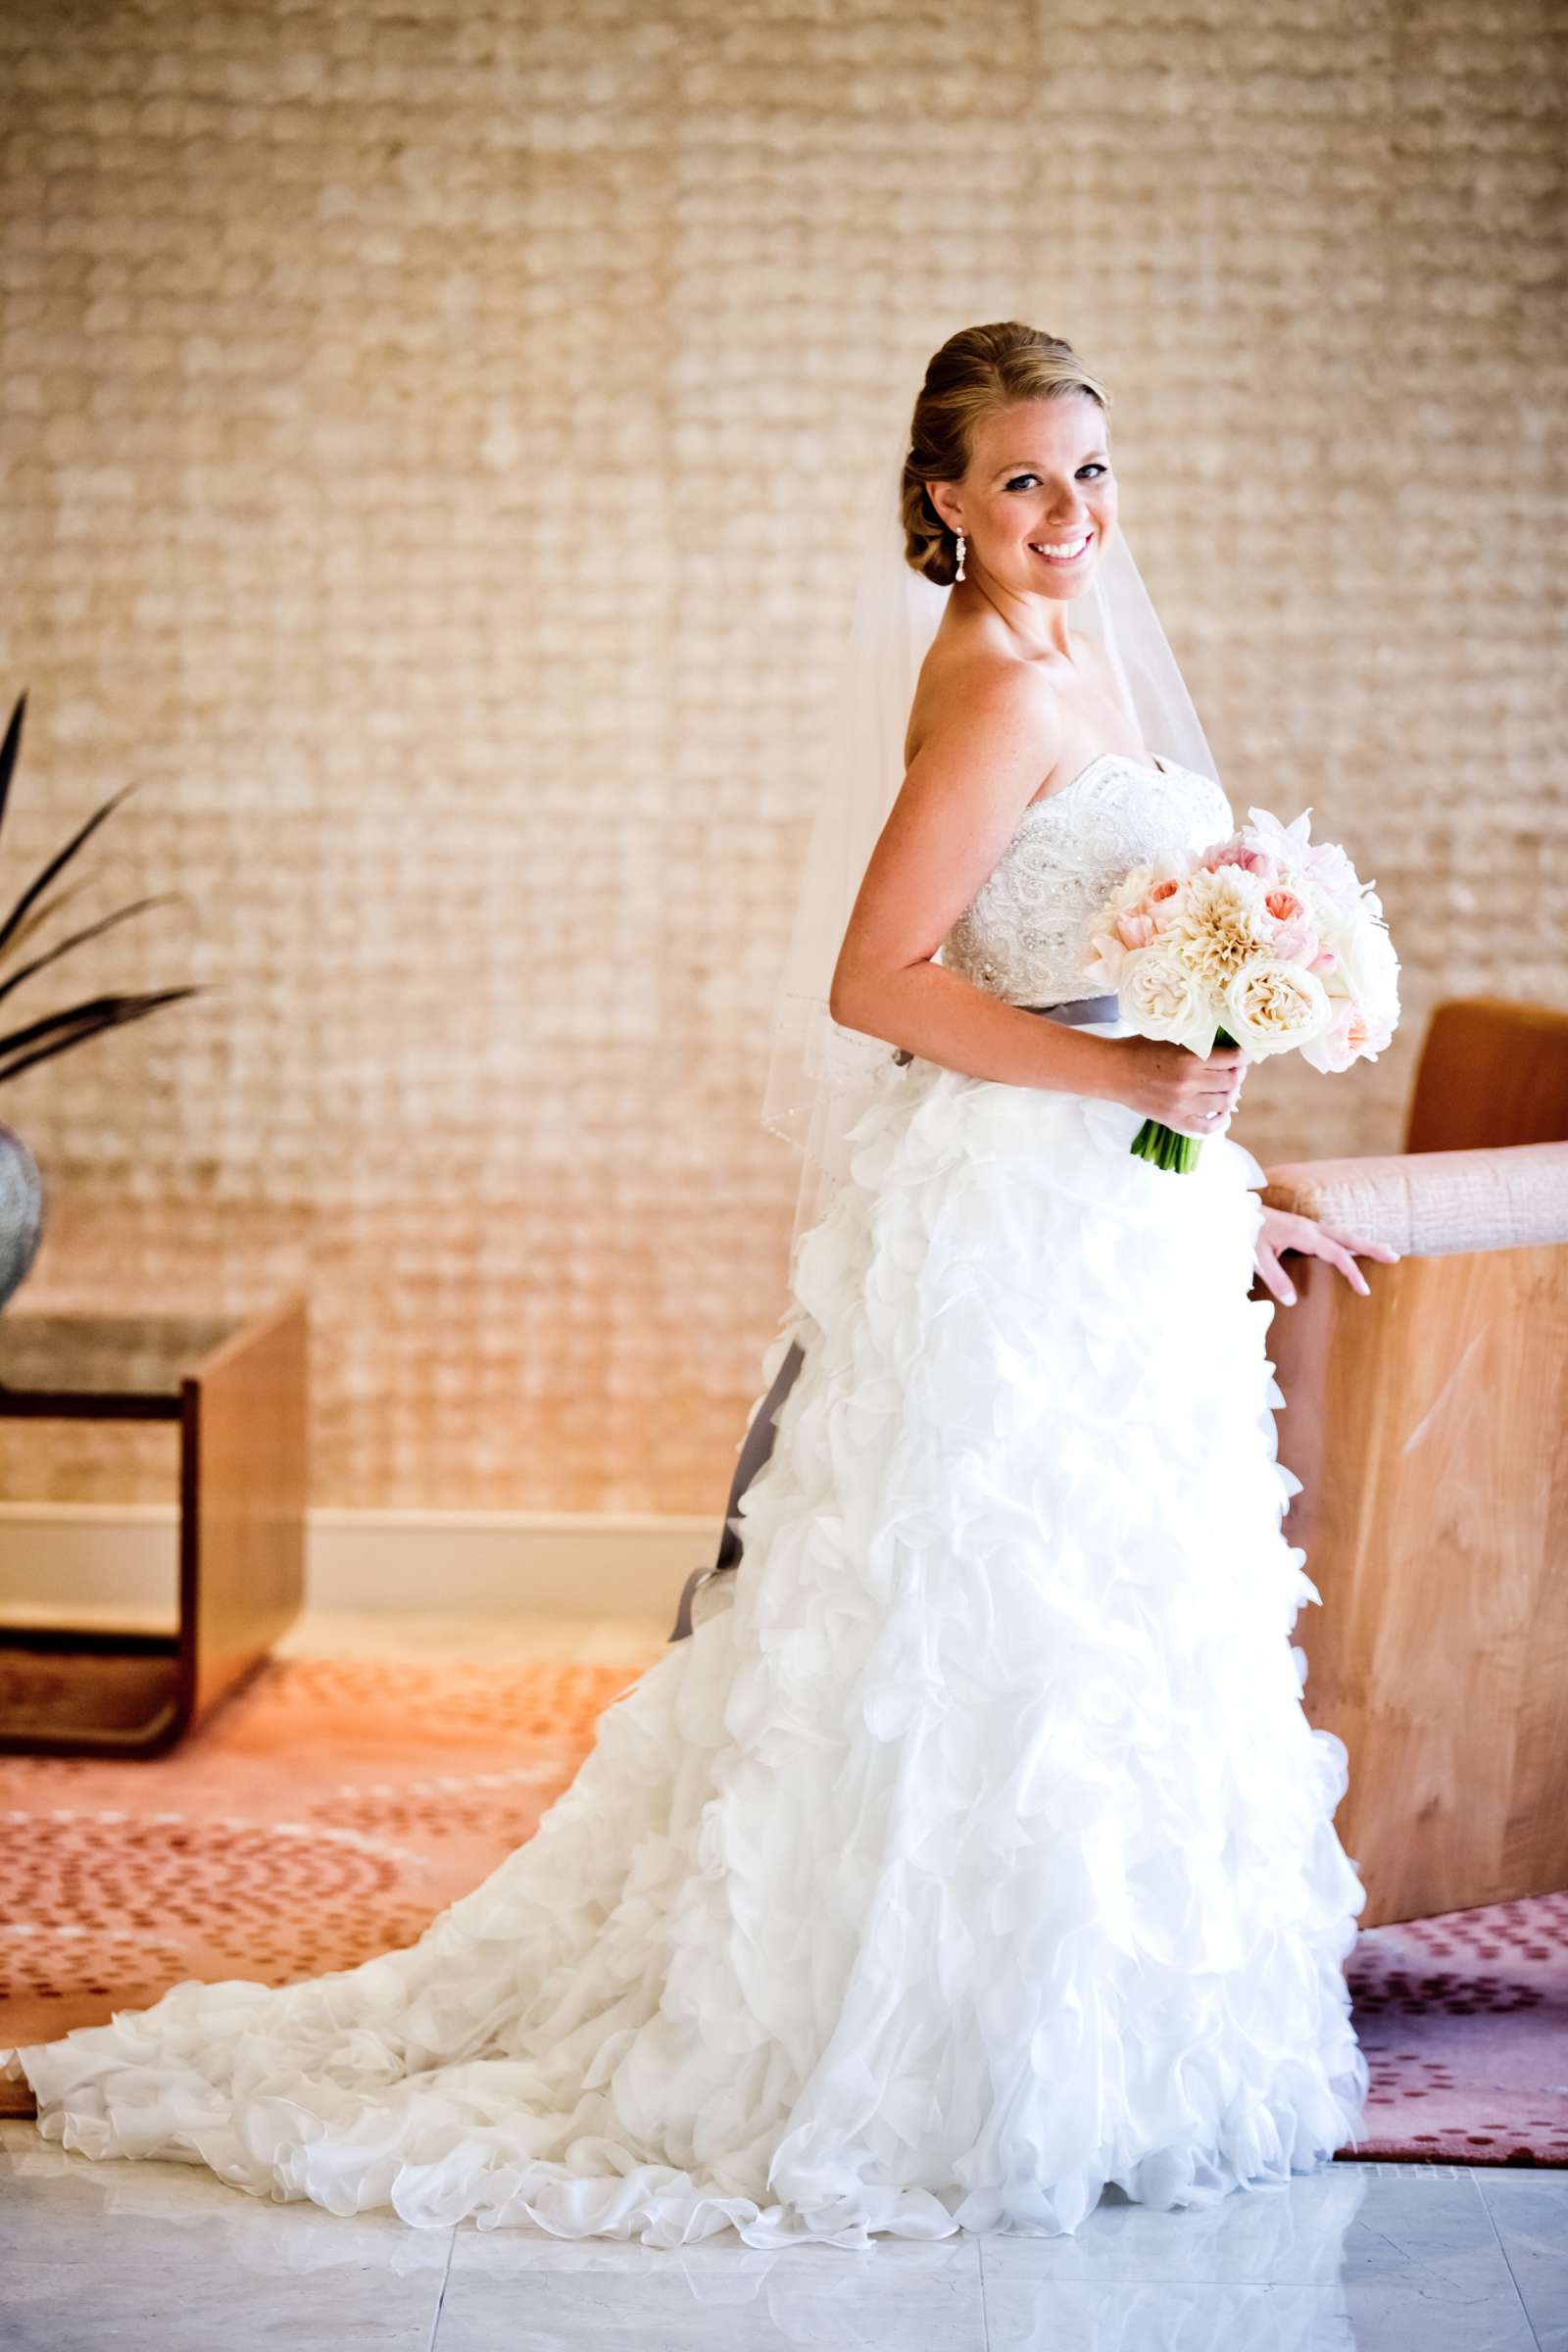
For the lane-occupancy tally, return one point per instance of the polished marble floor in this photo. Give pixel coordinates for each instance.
(1400, 2258)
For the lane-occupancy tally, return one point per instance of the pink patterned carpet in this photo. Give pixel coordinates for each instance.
(1464, 2021)
(334, 1805)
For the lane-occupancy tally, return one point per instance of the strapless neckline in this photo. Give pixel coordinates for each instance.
(1148, 768)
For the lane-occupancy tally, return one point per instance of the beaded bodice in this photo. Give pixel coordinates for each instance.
(1025, 934)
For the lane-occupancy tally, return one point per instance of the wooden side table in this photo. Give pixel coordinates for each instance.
(236, 1387)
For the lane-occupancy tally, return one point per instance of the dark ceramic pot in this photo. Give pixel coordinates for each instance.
(21, 1211)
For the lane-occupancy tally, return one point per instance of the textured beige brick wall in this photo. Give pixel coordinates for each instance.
(433, 441)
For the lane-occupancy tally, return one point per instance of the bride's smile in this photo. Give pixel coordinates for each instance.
(1068, 553)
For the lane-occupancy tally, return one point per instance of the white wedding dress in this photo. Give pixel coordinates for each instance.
(980, 1852)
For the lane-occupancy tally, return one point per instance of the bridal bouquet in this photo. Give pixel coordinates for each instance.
(1261, 942)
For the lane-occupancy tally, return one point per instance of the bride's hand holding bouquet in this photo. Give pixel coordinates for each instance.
(1259, 945)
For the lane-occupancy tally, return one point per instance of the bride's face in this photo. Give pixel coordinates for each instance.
(1037, 501)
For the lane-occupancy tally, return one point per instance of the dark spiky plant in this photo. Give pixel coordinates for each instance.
(58, 1031)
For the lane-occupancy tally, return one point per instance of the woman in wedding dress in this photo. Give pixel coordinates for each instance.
(979, 1854)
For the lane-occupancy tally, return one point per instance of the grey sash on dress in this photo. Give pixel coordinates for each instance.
(759, 1444)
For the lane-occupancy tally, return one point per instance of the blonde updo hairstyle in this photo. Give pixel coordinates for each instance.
(978, 371)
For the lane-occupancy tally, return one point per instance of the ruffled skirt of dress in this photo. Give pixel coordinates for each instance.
(979, 1854)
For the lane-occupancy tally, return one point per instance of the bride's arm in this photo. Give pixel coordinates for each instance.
(956, 810)
(927, 1009)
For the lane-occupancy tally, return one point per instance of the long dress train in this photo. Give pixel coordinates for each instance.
(979, 1852)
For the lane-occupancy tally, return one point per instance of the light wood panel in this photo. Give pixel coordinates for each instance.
(1493, 1071)
(1429, 1424)
(243, 1466)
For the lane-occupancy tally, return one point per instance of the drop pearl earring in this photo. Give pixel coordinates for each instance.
(959, 573)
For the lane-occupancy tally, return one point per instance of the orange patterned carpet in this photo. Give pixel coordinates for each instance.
(325, 1813)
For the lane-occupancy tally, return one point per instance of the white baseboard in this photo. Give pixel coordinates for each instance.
(58, 1560)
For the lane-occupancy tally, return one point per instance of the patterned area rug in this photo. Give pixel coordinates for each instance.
(326, 1812)
(335, 1804)
(1464, 2022)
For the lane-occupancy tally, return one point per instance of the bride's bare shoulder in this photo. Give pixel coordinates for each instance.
(969, 674)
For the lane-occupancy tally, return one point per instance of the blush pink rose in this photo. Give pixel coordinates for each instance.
(1297, 943)
(1345, 1039)
(1250, 860)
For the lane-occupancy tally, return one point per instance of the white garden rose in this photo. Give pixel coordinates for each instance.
(1271, 1006)
(1162, 999)
(1367, 969)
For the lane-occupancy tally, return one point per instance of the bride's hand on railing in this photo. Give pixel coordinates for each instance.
(1285, 1229)
(1191, 1092)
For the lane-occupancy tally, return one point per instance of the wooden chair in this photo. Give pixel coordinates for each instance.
(1429, 1426)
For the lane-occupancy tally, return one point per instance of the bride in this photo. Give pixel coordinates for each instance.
(979, 1854)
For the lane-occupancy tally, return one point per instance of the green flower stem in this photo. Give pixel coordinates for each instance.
(1162, 1145)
